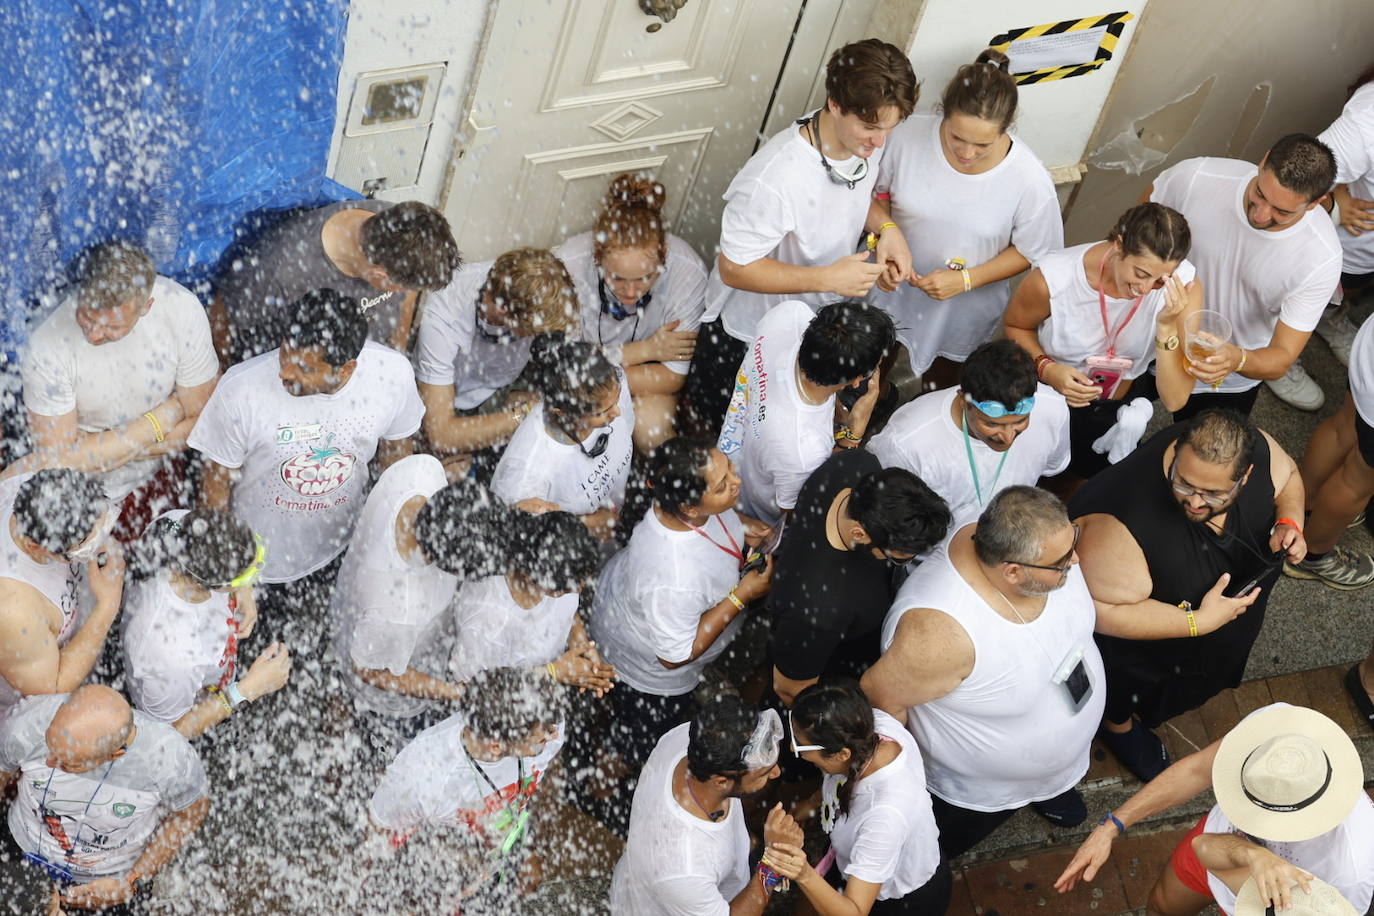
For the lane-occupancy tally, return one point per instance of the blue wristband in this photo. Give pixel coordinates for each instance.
(1109, 816)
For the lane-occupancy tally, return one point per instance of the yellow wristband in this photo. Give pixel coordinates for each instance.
(1244, 355)
(219, 695)
(734, 599)
(886, 226)
(157, 427)
(968, 280)
(1192, 618)
(553, 672)
(845, 434)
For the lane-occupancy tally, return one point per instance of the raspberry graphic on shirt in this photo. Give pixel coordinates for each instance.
(318, 471)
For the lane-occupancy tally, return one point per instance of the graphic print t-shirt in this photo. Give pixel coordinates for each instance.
(303, 460)
(98, 823)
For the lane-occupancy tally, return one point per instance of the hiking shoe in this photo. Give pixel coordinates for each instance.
(1357, 521)
(1341, 568)
(1339, 334)
(1065, 810)
(1139, 750)
(1296, 389)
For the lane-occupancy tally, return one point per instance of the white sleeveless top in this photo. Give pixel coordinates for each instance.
(58, 581)
(1006, 736)
(1073, 332)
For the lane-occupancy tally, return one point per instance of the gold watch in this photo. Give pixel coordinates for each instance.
(1168, 343)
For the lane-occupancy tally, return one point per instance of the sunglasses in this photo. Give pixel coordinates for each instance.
(1062, 566)
(798, 749)
(996, 409)
(860, 171)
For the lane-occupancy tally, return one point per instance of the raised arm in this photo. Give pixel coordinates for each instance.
(930, 655)
(1289, 499)
(752, 586)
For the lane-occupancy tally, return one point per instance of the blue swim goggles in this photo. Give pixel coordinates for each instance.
(996, 409)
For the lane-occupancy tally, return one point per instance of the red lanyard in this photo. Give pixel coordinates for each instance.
(229, 660)
(733, 550)
(1102, 302)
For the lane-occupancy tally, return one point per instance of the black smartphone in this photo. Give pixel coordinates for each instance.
(848, 396)
(1248, 586)
(757, 561)
(1078, 685)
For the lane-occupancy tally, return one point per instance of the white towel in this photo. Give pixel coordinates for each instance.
(1131, 420)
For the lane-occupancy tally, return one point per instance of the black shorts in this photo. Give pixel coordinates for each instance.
(1364, 438)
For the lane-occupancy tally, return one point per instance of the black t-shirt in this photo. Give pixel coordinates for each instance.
(828, 604)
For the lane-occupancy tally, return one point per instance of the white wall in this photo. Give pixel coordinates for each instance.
(392, 34)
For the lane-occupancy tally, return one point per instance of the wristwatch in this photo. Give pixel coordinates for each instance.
(1168, 343)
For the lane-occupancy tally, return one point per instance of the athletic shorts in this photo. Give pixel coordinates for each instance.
(1364, 439)
(1186, 867)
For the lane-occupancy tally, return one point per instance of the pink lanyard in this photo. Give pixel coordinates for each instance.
(1112, 335)
(736, 552)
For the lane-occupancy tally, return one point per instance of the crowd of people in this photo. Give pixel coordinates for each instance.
(843, 525)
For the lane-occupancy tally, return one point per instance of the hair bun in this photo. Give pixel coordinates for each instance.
(631, 189)
(994, 57)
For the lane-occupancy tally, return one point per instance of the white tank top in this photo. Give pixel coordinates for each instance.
(1073, 332)
(1006, 736)
(58, 581)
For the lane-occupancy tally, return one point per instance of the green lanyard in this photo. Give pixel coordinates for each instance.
(973, 468)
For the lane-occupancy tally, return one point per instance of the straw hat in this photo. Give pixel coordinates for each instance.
(1321, 900)
(1287, 774)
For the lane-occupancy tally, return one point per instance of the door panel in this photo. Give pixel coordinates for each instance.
(569, 94)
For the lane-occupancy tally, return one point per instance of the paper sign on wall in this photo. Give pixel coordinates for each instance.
(1059, 50)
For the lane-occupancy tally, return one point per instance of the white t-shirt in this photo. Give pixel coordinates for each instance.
(174, 648)
(111, 383)
(1253, 277)
(676, 864)
(774, 437)
(495, 632)
(434, 783)
(303, 460)
(946, 214)
(387, 611)
(679, 294)
(923, 438)
(450, 351)
(1351, 138)
(536, 465)
(109, 814)
(782, 205)
(1342, 857)
(651, 595)
(1074, 331)
(889, 836)
(1362, 372)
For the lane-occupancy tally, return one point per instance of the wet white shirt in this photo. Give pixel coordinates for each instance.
(388, 611)
(676, 864)
(109, 814)
(1253, 277)
(303, 460)
(1351, 138)
(782, 205)
(111, 383)
(679, 294)
(495, 632)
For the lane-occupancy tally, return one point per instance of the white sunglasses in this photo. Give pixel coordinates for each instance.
(792, 739)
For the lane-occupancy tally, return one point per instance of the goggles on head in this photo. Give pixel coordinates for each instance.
(89, 549)
(762, 749)
(996, 409)
(248, 576)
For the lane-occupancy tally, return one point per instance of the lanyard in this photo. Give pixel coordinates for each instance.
(1112, 335)
(733, 550)
(973, 467)
(54, 821)
(515, 816)
(229, 660)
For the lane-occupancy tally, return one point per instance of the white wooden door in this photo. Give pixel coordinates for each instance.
(571, 92)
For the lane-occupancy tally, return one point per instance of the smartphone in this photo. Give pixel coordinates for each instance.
(1106, 372)
(1275, 561)
(849, 396)
(757, 561)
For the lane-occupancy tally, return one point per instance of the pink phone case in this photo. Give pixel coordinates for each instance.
(1106, 372)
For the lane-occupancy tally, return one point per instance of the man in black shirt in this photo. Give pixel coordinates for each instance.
(855, 524)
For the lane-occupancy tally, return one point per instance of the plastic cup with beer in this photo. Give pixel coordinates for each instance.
(1205, 332)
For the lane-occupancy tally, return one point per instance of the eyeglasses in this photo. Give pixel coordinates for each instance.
(1062, 566)
(896, 562)
(996, 409)
(1210, 497)
(792, 739)
(860, 171)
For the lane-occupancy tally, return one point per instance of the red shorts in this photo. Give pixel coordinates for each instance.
(1186, 867)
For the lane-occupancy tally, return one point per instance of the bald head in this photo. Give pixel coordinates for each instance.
(92, 728)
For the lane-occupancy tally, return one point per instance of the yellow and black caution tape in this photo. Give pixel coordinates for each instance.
(1115, 23)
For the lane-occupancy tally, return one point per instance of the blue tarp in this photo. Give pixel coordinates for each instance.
(163, 121)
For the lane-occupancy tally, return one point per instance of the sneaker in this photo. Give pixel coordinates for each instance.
(1065, 810)
(1339, 334)
(1357, 521)
(1341, 568)
(1139, 750)
(1297, 389)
